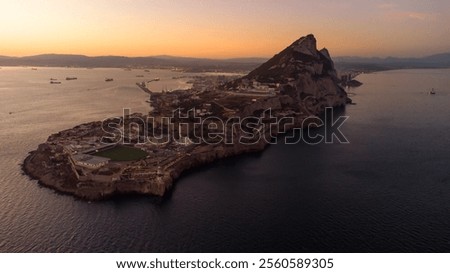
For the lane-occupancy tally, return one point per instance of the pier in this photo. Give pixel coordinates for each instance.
(143, 86)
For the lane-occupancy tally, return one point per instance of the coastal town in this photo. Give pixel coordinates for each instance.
(220, 116)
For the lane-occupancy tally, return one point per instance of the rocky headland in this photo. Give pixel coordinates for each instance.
(89, 162)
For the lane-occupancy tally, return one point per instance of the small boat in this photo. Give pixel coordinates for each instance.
(53, 79)
(109, 79)
(432, 92)
(55, 82)
(71, 78)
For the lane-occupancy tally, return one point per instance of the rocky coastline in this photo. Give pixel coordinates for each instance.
(59, 176)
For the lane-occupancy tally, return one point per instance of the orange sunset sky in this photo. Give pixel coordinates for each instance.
(222, 29)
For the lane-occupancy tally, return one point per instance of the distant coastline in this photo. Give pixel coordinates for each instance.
(345, 64)
(156, 62)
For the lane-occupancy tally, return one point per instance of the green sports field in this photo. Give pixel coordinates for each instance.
(123, 153)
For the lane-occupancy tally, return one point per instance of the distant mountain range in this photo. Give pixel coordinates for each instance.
(373, 64)
(163, 61)
(224, 65)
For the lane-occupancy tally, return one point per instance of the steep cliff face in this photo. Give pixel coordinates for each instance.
(303, 73)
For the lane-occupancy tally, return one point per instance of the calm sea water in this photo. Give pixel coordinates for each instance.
(386, 191)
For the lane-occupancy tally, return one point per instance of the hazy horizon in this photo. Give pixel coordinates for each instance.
(223, 29)
(218, 58)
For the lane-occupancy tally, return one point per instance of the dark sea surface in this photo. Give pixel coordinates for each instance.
(386, 191)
